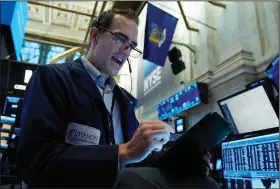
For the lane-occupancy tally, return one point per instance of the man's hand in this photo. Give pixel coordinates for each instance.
(207, 157)
(149, 136)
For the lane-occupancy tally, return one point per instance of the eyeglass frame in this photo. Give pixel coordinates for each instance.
(127, 40)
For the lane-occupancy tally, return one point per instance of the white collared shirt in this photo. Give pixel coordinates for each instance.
(107, 97)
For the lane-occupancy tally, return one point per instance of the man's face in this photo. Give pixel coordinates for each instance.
(106, 53)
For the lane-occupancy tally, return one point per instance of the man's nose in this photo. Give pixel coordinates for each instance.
(125, 49)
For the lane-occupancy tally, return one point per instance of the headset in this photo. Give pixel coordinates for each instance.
(130, 71)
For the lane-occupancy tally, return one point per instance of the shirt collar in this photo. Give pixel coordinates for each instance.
(96, 76)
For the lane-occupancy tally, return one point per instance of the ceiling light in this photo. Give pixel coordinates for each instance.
(62, 15)
(33, 9)
(63, 6)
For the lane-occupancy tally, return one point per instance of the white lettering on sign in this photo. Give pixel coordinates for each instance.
(20, 87)
(153, 80)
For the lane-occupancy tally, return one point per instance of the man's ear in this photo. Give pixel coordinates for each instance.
(93, 35)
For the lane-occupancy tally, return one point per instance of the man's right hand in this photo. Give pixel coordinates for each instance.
(149, 136)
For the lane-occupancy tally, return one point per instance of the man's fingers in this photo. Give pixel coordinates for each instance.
(170, 129)
(152, 121)
(156, 124)
(160, 135)
(153, 126)
(157, 145)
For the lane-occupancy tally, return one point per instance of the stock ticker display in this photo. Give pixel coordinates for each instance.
(252, 162)
(181, 101)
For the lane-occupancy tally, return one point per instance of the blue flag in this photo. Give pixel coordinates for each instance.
(160, 27)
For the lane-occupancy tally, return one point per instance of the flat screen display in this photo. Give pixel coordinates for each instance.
(181, 101)
(15, 15)
(249, 111)
(251, 162)
(273, 72)
(5, 120)
(219, 164)
(13, 107)
(179, 125)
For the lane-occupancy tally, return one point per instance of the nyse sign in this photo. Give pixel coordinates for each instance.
(152, 76)
(152, 80)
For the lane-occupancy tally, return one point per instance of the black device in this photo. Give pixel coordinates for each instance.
(203, 136)
(266, 82)
(15, 76)
(177, 65)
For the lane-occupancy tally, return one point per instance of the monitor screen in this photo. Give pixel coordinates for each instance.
(15, 15)
(218, 164)
(251, 162)
(179, 125)
(272, 72)
(181, 101)
(249, 111)
(13, 106)
(6, 121)
(4, 144)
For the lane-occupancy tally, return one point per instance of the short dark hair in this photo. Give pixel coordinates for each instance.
(105, 19)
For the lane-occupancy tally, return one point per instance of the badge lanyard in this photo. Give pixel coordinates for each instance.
(110, 117)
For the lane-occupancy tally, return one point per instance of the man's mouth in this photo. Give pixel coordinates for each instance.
(118, 60)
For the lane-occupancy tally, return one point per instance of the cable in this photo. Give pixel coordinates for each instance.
(130, 71)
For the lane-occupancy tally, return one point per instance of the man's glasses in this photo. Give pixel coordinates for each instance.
(121, 40)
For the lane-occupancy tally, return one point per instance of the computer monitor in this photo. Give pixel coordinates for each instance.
(251, 162)
(193, 95)
(249, 111)
(6, 129)
(218, 164)
(180, 125)
(272, 72)
(13, 108)
(6, 120)
(4, 144)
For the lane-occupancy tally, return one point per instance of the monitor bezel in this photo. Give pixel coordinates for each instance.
(263, 133)
(6, 102)
(238, 93)
(202, 89)
(269, 67)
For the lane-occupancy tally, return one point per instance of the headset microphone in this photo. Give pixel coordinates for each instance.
(130, 71)
(129, 66)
